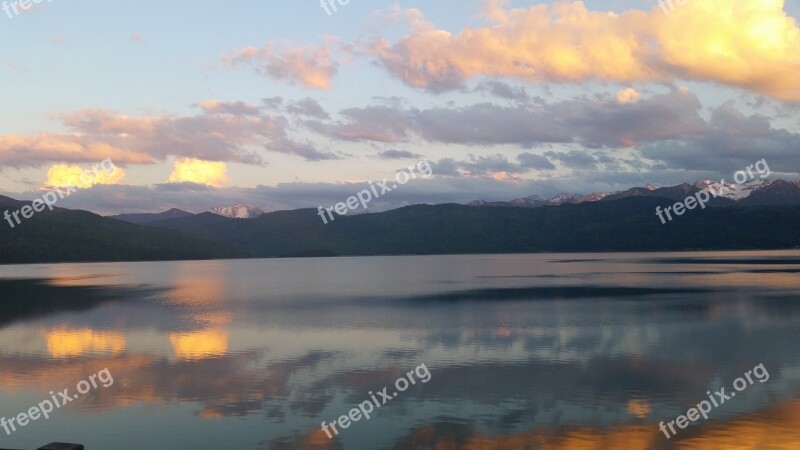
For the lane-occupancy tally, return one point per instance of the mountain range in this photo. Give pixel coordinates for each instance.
(755, 192)
(766, 217)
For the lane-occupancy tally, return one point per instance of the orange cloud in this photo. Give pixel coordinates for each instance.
(224, 133)
(310, 66)
(504, 176)
(193, 170)
(751, 44)
(31, 150)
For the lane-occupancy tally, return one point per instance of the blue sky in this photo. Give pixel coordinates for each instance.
(158, 62)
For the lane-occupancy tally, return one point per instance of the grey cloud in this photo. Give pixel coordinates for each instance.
(307, 107)
(273, 103)
(492, 164)
(733, 141)
(591, 122)
(532, 161)
(574, 159)
(503, 90)
(398, 154)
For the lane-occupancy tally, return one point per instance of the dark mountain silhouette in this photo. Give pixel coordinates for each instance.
(64, 235)
(9, 203)
(626, 224)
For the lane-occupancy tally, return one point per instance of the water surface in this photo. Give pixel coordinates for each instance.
(525, 351)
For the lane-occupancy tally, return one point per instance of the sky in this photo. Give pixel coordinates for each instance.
(296, 104)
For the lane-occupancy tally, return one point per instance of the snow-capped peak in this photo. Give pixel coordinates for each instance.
(730, 190)
(563, 198)
(241, 211)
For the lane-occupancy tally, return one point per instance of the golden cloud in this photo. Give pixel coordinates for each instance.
(750, 44)
(191, 170)
(64, 175)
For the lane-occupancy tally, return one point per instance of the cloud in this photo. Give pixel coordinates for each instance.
(629, 95)
(497, 166)
(733, 141)
(63, 175)
(751, 44)
(574, 159)
(493, 166)
(222, 131)
(398, 154)
(532, 161)
(593, 122)
(309, 66)
(311, 153)
(307, 107)
(234, 108)
(34, 150)
(503, 90)
(211, 173)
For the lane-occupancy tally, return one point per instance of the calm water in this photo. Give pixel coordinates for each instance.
(524, 351)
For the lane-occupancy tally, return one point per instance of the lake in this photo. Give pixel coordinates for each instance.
(545, 351)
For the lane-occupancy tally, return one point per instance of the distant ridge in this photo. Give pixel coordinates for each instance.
(534, 201)
(146, 218)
